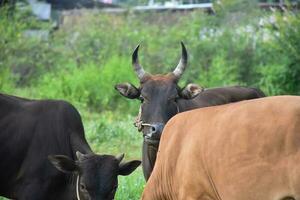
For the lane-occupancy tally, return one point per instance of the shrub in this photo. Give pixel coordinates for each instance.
(91, 52)
(6, 81)
(90, 86)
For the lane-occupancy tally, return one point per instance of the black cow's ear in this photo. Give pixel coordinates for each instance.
(63, 163)
(128, 90)
(127, 168)
(191, 91)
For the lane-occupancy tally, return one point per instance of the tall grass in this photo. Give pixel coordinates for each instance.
(91, 52)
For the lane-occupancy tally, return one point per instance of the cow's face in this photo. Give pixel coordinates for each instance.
(96, 175)
(159, 95)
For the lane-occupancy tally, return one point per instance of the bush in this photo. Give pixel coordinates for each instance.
(91, 52)
(90, 86)
(281, 69)
(6, 81)
(218, 75)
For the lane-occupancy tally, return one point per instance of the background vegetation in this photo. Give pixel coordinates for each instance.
(91, 52)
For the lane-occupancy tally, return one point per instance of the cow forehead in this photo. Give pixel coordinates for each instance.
(156, 83)
(161, 77)
(98, 162)
(99, 170)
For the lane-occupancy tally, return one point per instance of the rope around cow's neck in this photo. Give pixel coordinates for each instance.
(140, 124)
(77, 187)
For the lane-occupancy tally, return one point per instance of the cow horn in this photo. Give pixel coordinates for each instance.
(182, 63)
(135, 62)
(120, 157)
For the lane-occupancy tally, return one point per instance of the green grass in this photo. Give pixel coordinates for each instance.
(131, 187)
(109, 134)
(112, 133)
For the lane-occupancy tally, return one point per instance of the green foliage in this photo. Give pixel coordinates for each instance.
(281, 74)
(131, 187)
(90, 86)
(91, 52)
(25, 57)
(289, 46)
(78, 85)
(218, 74)
(6, 81)
(116, 70)
(271, 79)
(113, 133)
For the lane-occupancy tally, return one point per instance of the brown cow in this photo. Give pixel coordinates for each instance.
(242, 151)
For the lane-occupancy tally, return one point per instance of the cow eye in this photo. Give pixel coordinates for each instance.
(82, 186)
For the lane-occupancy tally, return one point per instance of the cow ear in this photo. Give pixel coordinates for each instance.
(128, 90)
(63, 163)
(191, 91)
(127, 168)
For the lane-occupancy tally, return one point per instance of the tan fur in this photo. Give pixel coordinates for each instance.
(242, 151)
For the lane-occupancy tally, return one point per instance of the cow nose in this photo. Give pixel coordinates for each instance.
(155, 131)
(157, 128)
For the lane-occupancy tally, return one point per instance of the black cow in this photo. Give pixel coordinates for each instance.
(33, 131)
(161, 98)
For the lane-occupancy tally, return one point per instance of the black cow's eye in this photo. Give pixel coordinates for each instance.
(82, 187)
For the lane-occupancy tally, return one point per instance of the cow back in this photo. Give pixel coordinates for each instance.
(246, 150)
(30, 130)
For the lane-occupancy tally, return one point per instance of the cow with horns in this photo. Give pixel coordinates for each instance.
(161, 98)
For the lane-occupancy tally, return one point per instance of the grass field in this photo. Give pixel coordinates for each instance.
(109, 135)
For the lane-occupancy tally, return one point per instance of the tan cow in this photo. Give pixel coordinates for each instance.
(242, 151)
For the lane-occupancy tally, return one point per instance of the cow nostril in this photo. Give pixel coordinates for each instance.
(153, 129)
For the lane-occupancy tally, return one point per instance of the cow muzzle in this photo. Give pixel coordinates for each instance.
(153, 131)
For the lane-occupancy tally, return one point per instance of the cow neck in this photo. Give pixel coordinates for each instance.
(77, 187)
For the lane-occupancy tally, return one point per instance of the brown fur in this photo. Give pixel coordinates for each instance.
(242, 151)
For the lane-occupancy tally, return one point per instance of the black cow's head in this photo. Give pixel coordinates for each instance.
(96, 174)
(159, 94)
